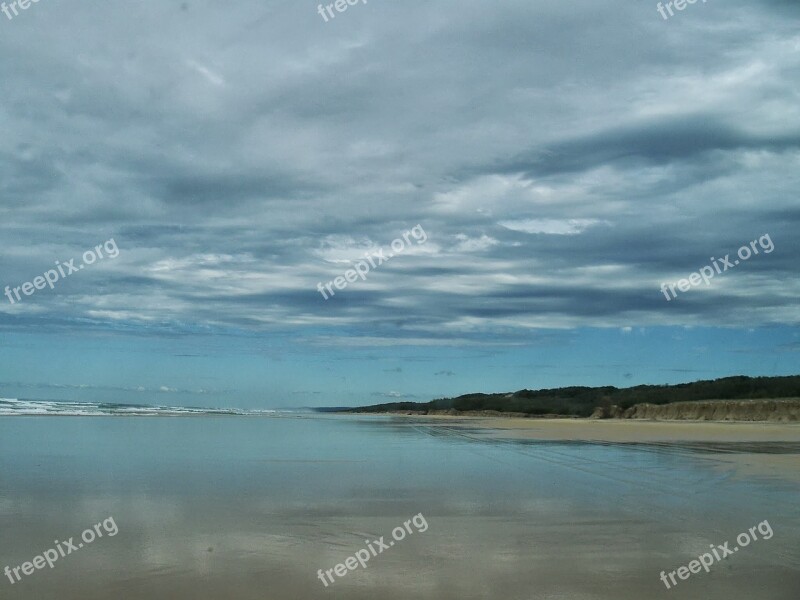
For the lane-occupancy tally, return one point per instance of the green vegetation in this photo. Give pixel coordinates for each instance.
(581, 401)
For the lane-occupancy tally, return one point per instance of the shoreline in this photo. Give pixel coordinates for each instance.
(742, 449)
(616, 430)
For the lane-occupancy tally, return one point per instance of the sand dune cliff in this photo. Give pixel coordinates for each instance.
(709, 410)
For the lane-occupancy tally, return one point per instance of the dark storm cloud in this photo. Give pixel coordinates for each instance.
(664, 142)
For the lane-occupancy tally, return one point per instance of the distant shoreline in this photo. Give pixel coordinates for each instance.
(737, 398)
(783, 410)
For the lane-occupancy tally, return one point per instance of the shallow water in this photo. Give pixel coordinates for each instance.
(253, 507)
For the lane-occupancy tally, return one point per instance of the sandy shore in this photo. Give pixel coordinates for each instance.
(624, 430)
(618, 430)
(744, 449)
(248, 508)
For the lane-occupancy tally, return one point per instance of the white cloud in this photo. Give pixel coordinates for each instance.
(552, 226)
(468, 244)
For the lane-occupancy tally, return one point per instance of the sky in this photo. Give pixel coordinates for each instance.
(550, 163)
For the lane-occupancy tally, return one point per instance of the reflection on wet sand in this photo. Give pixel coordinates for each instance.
(252, 508)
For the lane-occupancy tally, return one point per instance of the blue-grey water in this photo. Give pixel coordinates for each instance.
(253, 506)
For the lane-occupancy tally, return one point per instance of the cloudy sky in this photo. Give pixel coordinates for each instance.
(564, 159)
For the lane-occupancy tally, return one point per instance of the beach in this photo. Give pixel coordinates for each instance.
(433, 300)
(769, 450)
(254, 507)
(625, 430)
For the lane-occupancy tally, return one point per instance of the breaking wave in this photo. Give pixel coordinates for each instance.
(13, 406)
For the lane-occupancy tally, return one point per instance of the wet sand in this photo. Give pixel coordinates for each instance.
(628, 430)
(746, 449)
(246, 508)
